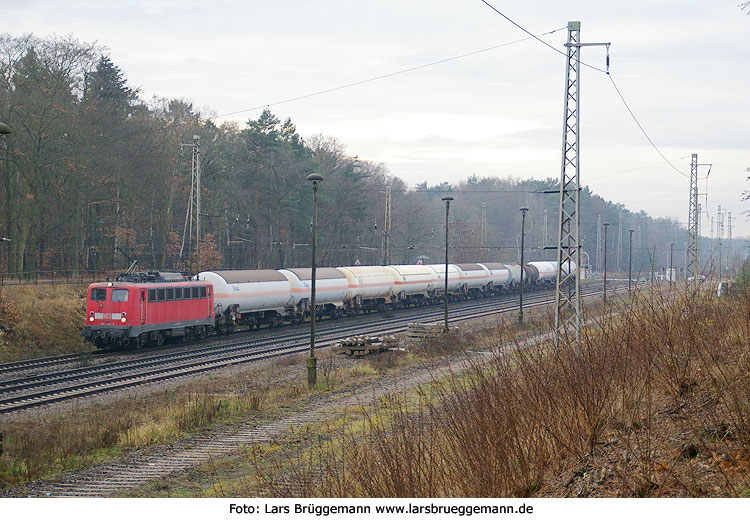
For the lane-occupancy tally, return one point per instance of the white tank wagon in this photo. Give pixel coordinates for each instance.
(331, 288)
(256, 296)
(454, 277)
(530, 274)
(515, 274)
(547, 270)
(475, 277)
(499, 275)
(368, 287)
(412, 283)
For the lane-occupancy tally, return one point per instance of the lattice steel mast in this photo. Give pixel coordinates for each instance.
(567, 292)
(692, 265)
(193, 214)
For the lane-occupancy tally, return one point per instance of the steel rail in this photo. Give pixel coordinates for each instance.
(207, 364)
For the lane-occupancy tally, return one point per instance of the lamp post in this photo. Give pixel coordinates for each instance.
(604, 298)
(520, 291)
(447, 200)
(312, 362)
(630, 259)
(671, 270)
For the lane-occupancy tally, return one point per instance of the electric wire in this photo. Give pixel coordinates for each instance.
(392, 74)
(619, 93)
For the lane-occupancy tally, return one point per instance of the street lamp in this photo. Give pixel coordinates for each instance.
(520, 291)
(630, 259)
(447, 200)
(604, 298)
(312, 362)
(671, 270)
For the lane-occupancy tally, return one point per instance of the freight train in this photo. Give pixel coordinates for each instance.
(139, 309)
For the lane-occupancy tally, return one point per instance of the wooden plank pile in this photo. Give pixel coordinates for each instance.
(420, 331)
(364, 345)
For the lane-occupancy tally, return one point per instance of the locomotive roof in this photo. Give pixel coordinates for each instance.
(121, 284)
(151, 276)
(251, 276)
(321, 273)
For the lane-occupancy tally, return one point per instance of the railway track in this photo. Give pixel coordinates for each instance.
(38, 390)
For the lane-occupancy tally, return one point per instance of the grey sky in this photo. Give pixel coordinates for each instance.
(681, 65)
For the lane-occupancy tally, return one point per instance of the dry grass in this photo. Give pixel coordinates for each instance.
(656, 402)
(39, 320)
(36, 447)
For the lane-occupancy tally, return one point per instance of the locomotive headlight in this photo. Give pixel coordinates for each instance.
(91, 319)
(123, 319)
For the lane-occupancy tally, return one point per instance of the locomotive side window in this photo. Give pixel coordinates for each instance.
(203, 291)
(98, 295)
(178, 293)
(119, 295)
(195, 292)
(160, 294)
(170, 293)
(187, 293)
(152, 295)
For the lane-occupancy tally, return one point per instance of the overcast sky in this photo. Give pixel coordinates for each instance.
(682, 65)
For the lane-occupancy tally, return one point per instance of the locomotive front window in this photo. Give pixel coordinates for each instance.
(119, 295)
(98, 295)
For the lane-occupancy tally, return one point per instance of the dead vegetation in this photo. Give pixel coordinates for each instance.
(40, 320)
(656, 402)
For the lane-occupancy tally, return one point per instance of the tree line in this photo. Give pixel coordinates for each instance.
(92, 173)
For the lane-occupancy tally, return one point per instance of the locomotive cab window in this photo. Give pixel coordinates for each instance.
(203, 291)
(119, 295)
(152, 295)
(98, 295)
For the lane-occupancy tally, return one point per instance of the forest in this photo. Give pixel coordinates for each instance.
(93, 175)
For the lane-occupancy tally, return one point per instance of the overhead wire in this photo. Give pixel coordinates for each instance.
(619, 93)
(391, 74)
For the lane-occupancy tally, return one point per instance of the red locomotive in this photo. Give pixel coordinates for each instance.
(147, 308)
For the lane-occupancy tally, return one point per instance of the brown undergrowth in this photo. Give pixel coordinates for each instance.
(39, 320)
(654, 402)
